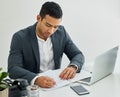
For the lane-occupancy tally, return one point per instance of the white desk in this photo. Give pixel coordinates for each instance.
(107, 87)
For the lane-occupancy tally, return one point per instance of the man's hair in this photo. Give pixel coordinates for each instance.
(52, 9)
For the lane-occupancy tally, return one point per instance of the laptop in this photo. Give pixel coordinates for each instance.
(103, 66)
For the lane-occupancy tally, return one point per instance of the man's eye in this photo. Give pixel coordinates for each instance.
(56, 27)
(48, 25)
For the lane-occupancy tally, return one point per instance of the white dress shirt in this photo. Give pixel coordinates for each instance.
(46, 55)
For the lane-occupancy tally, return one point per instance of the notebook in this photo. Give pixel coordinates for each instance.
(103, 66)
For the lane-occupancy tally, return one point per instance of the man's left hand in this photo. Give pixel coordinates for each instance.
(68, 73)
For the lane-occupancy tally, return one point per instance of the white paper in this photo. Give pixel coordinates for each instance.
(59, 82)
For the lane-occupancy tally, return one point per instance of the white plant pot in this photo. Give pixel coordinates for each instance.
(4, 93)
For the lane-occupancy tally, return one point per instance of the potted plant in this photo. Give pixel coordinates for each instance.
(3, 86)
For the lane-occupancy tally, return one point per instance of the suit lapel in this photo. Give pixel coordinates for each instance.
(35, 47)
(55, 50)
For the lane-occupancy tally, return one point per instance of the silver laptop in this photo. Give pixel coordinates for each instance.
(103, 66)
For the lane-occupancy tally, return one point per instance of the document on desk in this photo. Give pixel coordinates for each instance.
(59, 82)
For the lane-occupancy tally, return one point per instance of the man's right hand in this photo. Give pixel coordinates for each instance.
(45, 82)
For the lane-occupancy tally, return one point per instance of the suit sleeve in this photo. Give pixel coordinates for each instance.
(73, 53)
(15, 60)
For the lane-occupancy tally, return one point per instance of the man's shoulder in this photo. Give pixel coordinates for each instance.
(60, 28)
(60, 33)
(25, 31)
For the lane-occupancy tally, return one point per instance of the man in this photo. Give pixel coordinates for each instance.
(40, 47)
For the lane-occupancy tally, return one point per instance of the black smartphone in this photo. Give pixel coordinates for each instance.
(80, 90)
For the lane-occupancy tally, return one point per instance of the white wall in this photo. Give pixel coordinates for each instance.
(94, 25)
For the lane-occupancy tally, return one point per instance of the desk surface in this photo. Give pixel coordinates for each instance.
(107, 87)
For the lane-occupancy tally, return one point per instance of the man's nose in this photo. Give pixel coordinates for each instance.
(51, 30)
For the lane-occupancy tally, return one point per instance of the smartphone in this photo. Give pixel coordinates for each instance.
(80, 90)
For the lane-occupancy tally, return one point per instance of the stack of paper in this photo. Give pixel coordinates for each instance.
(59, 82)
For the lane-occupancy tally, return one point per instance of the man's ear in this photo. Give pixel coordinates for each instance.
(38, 17)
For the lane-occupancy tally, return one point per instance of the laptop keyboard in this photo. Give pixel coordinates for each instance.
(86, 79)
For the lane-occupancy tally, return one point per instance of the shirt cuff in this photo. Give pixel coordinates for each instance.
(74, 65)
(33, 80)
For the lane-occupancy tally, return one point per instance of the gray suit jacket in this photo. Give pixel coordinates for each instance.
(24, 59)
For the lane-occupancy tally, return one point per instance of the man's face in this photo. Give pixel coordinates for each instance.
(46, 26)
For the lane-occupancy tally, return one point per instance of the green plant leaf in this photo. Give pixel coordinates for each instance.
(0, 68)
(3, 86)
(3, 75)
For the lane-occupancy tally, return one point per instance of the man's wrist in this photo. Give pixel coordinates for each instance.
(74, 66)
(33, 80)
